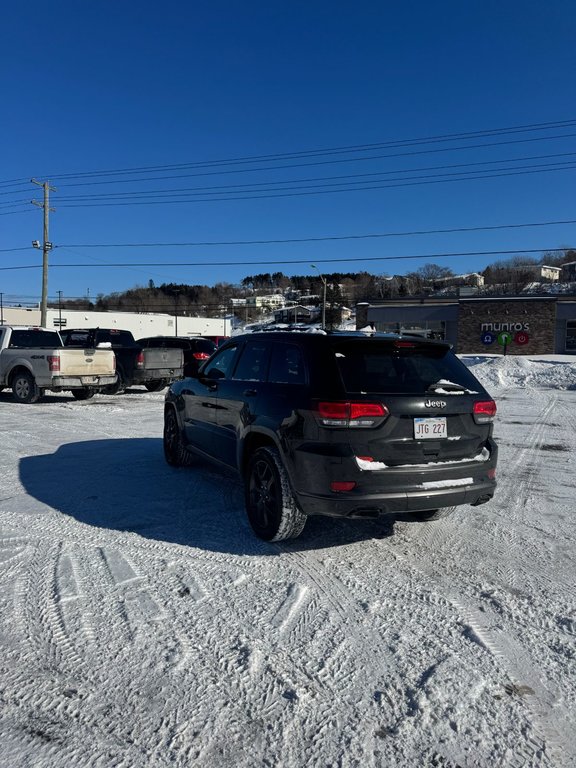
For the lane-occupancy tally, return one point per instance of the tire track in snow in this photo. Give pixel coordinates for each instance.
(52, 587)
(484, 628)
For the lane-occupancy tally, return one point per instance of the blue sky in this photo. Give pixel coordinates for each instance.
(119, 86)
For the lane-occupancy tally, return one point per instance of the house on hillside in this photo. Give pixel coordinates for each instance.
(272, 301)
(296, 314)
(540, 271)
(569, 271)
(474, 279)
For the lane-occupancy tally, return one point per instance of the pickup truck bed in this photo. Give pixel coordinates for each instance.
(153, 368)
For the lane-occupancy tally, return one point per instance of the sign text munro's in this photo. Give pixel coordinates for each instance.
(505, 327)
(519, 326)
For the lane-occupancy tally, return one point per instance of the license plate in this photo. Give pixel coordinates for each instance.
(430, 428)
(89, 380)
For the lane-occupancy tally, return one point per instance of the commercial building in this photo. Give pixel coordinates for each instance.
(518, 325)
(139, 323)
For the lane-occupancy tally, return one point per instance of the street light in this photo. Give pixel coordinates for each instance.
(323, 296)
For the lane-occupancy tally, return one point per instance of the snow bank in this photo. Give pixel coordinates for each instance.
(539, 371)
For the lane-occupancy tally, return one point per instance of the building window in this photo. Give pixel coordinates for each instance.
(430, 330)
(570, 335)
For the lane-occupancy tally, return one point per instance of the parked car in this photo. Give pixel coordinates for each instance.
(337, 424)
(196, 349)
(154, 368)
(33, 360)
(218, 340)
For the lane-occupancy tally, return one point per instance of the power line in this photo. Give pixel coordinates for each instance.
(324, 162)
(322, 238)
(339, 180)
(267, 262)
(268, 196)
(331, 150)
(306, 191)
(371, 235)
(531, 127)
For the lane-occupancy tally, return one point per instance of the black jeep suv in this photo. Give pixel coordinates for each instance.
(338, 424)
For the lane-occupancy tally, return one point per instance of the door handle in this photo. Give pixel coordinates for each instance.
(250, 392)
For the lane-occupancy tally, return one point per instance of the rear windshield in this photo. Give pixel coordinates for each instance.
(84, 337)
(32, 338)
(121, 338)
(372, 366)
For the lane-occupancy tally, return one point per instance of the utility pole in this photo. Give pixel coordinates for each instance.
(60, 310)
(323, 295)
(1, 309)
(46, 246)
(176, 297)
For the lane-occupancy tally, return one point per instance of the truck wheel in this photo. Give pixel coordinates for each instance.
(174, 451)
(83, 394)
(155, 386)
(119, 385)
(270, 504)
(25, 389)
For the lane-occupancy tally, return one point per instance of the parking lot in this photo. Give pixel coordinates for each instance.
(144, 625)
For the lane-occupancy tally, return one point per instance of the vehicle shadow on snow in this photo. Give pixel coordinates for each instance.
(125, 485)
(66, 397)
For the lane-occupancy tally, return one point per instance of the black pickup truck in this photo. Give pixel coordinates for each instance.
(153, 367)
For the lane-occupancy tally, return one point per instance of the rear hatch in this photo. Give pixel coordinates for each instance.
(416, 403)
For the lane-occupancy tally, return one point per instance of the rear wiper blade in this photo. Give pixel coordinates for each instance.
(448, 386)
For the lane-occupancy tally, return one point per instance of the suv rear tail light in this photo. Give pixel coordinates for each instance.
(200, 355)
(54, 363)
(347, 414)
(484, 411)
(140, 360)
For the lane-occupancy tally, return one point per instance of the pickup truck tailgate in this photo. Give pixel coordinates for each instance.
(164, 360)
(86, 362)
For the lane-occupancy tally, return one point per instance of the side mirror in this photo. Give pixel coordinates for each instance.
(214, 374)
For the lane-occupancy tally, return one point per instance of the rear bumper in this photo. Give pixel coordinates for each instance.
(375, 505)
(390, 490)
(147, 375)
(81, 382)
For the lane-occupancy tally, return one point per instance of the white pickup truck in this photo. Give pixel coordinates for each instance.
(33, 360)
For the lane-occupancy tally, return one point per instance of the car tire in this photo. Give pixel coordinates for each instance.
(85, 393)
(155, 386)
(119, 385)
(174, 451)
(25, 389)
(270, 504)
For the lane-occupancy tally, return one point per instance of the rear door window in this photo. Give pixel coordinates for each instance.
(253, 363)
(287, 365)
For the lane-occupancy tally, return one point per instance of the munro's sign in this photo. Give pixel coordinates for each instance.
(519, 326)
(499, 327)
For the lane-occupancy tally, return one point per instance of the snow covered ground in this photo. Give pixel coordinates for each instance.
(143, 625)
